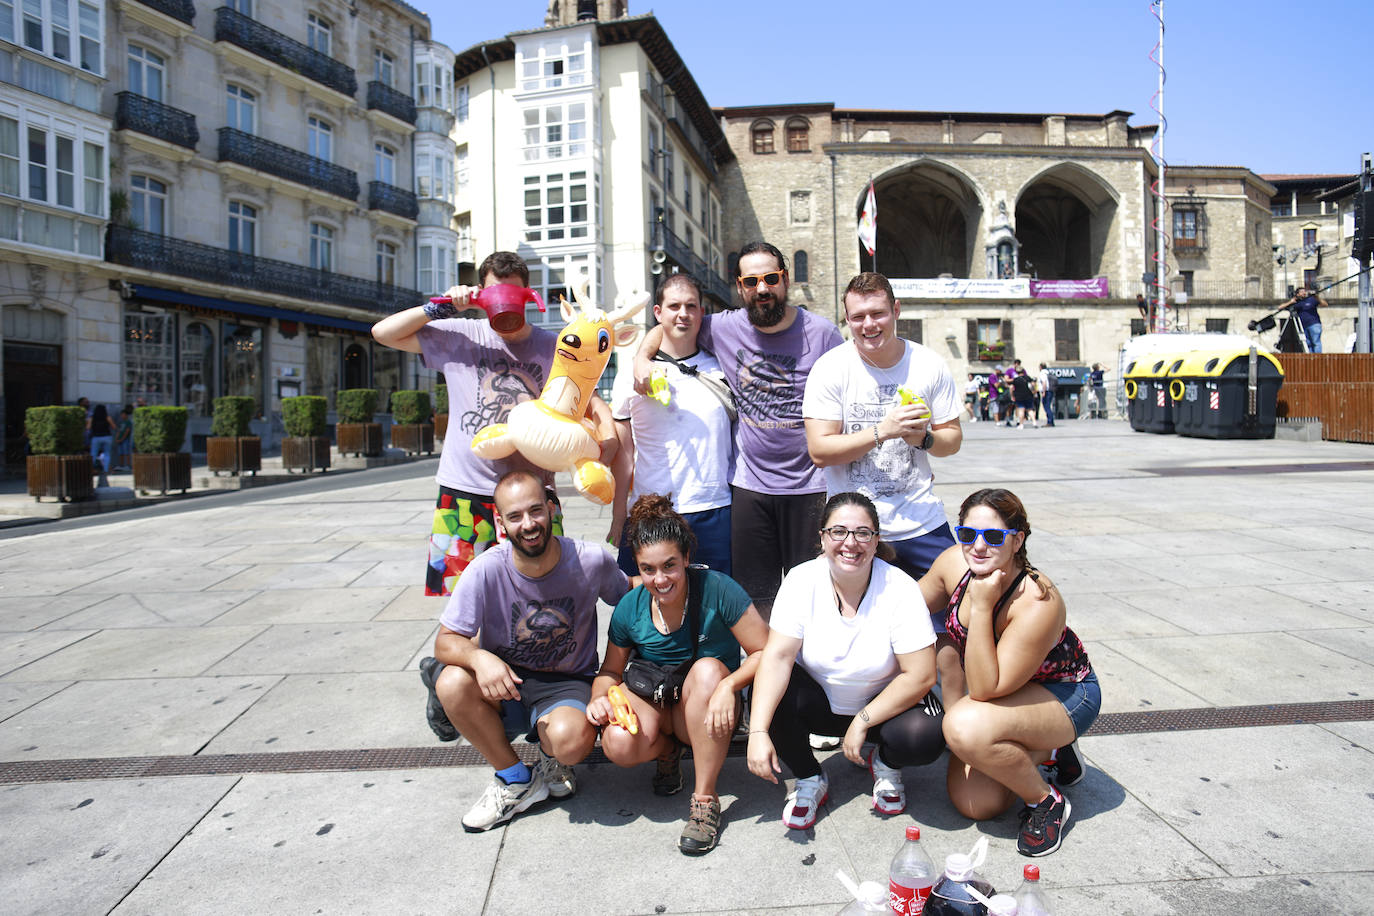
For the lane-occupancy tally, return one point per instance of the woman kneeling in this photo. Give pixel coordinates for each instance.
(849, 654)
(691, 621)
(1028, 689)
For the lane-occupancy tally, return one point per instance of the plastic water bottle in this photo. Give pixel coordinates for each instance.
(871, 901)
(1030, 896)
(910, 877)
(950, 896)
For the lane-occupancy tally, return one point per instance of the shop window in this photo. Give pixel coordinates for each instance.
(355, 368)
(1066, 339)
(386, 374)
(197, 368)
(149, 346)
(322, 366)
(241, 365)
(761, 137)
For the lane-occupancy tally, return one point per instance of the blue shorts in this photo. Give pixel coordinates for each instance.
(916, 555)
(712, 530)
(540, 694)
(1082, 700)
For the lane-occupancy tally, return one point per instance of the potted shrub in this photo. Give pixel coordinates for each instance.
(231, 446)
(59, 465)
(356, 432)
(410, 426)
(305, 447)
(159, 463)
(441, 412)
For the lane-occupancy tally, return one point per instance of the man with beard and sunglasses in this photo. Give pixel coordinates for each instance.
(767, 350)
(532, 599)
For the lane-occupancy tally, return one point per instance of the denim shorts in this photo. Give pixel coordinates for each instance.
(1082, 700)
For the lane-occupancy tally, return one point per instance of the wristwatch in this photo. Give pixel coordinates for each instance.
(928, 441)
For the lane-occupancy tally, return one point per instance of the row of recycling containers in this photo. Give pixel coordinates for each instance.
(1209, 394)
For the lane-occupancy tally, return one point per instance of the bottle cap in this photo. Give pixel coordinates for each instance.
(871, 892)
(913, 833)
(958, 866)
(1002, 905)
(1031, 872)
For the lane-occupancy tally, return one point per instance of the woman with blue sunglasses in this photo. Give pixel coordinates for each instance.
(1025, 690)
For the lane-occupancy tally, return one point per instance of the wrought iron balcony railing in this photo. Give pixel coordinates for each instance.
(392, 101)
(163, 254)
(720, 288)
(251, 35)
(689, 261)
(285, 162)
(184, 10)
(136, 112)
(388, 197)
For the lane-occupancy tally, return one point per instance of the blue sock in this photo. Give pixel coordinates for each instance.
(517, 772)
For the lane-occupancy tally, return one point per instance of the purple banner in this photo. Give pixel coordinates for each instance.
(1069, 289)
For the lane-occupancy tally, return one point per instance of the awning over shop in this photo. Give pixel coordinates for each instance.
(177, 297)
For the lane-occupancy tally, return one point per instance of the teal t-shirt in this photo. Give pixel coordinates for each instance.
(723, 603)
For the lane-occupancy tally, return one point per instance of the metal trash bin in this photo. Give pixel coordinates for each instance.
(1149, 408)
(1227, 394)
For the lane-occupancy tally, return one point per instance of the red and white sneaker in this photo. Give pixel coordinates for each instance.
(889, 795)
(804, 802)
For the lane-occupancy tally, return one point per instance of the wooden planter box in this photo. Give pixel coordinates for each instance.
(305, 453)
(63, 477)
(235, 454)
(413, 438)
(162, 471)
(440, 425)
(359, 439)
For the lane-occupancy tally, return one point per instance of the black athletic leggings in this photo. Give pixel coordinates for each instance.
(912, 738)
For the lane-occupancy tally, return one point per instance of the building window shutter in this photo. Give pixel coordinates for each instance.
(972, 338)
(1008, 347)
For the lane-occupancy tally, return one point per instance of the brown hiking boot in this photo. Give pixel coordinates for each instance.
(703, 826)
(668, 777)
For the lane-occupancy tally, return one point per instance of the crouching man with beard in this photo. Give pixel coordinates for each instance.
(532, 599)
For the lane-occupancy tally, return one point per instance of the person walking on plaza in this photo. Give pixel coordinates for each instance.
(1304, 305)
(971, 389)
(100, 428)
(1048, 382)
(868, 439)
(1025, 691)
(1024, 396)
(532, 601)
(691, 622)
(1098, 378)
(124, 439)
(682, 445)
(767, 350)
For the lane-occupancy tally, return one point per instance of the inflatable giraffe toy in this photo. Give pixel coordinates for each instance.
(555, 431)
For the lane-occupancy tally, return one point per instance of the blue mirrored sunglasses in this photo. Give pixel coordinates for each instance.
(993, 537)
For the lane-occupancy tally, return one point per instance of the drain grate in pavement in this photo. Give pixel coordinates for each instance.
(417, 758)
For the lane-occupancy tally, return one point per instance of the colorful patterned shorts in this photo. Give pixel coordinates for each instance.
(464, 526)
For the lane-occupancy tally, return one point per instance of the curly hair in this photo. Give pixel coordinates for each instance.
(1013, 512)
(653, 520)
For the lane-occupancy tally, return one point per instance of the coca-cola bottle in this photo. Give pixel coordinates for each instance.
(911, 876)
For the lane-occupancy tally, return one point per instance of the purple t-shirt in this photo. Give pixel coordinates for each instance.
(544, 624)
(767, 373)
(486, 376)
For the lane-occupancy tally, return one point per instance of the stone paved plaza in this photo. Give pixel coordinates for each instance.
(210, 706)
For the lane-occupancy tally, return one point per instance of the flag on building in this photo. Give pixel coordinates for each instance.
(868, 222)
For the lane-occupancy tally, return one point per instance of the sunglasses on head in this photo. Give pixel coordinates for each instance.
(993, 537)
(772, 278)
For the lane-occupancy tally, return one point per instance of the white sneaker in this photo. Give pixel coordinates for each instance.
(889, 795)
(804, 802)
(560, 779)
(500, 802)
(824, 742)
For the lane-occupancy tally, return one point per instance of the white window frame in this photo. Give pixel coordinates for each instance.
(240, 102)
(243, 221)
(319, 34)
(556, 275)
(145, 63)
(321, 247)
(319, 138)
(67, 30)
(386, 263)
(384, 68)
(558, 207)
(384, 163)
(554, 65)
(144, 199)
(555, 131)
(460, 104)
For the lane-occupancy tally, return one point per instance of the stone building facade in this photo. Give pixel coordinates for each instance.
(259, 207)
(1309, 219)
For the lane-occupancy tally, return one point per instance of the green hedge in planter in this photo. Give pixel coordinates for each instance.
(304, 415)
(356, 405)
(441, 399)
(410, 407)
(232, 414)
(159, 429)
(56, 430)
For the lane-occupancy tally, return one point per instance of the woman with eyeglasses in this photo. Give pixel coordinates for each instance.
(1028, 690)
(845, 657)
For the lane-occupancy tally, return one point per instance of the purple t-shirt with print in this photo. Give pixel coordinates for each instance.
(544, 624)
(767, 373)
(486, 376)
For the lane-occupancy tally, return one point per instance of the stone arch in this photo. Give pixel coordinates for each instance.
(928, 217)
(1063, 216)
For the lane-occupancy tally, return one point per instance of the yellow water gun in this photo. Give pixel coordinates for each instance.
(622, 713)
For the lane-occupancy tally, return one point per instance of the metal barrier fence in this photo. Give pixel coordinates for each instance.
(1338, 388)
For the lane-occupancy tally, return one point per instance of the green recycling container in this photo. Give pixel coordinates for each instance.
(1215, 399)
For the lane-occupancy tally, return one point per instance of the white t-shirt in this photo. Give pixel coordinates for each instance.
(895, 475)
(685, 448)
(852, 658)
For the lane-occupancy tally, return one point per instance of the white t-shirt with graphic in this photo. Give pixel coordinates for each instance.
(852, 658)
(895, 475)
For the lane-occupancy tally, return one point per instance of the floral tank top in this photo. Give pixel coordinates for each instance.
(1066, 661)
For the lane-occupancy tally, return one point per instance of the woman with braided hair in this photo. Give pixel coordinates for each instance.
(691, 620)
(1027, 690)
